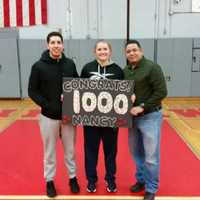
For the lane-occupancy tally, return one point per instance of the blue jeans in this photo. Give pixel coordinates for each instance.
(144, 145)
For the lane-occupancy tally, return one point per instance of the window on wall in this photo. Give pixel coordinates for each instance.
(195, 5)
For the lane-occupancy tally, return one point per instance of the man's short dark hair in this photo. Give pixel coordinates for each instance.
(54, 33)
(133, 42)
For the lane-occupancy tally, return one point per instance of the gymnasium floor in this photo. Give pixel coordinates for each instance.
(182, 114)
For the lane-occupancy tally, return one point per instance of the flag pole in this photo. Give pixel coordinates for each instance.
(128, 21)
(128, 24)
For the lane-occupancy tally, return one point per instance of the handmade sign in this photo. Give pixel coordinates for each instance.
(103, 102)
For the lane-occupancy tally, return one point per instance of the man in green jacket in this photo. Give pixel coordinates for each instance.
(144, 136)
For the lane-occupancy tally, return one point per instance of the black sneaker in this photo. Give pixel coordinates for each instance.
(149, 196)
(111, 186)
(50, 189)
(91, 187)
(137, 187)
(74, 186)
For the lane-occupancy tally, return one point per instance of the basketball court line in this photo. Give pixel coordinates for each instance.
(91, 197)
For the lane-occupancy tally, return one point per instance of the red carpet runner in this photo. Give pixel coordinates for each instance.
(21, 171)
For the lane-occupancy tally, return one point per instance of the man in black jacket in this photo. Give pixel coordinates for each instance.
(45, 89)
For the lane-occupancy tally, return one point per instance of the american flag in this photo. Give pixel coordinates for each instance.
(14, 13)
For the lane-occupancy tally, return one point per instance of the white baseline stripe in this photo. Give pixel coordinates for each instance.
(95, 197)
(25, 12)
(1, 14)
(12, 12)
(38, 18)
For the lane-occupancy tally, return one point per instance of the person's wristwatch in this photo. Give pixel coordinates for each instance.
(142, 105)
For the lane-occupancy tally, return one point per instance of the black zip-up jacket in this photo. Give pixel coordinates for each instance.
(93, 69)
(45, 83)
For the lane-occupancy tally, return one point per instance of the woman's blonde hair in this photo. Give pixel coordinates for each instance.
(103, 41)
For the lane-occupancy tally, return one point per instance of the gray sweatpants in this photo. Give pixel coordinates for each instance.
(50, 130)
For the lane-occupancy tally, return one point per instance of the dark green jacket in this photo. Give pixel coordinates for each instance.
(150, 86)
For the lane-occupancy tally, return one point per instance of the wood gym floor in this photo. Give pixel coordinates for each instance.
(183, 114)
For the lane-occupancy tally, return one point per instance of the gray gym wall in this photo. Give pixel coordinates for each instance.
(167, 29)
